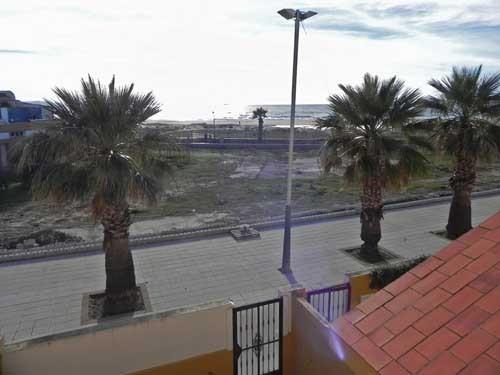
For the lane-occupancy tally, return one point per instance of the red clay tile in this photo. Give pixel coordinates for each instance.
(487, 281)
(496, 249)
(472, 236)
(468, 320)
(403, 320)
(381, 336)
(458, 281)
(403, 342)
(375, 356)
(354, 316)
(473, 345)
(433, 321)
(404, 299)
(482, 366)
(426, 267)
(413, 361)
(454, 265)
(494, 351)
(492, 222)
(431, 300)
(483, 263)
(493, 235)
(478, 248)
(373, 320)
(491, 301)
(374, 302)
(463, 299)
(393, 368)
(451, 250)
(492, 325)
(438, 342)
(430, 282)
(346, 331)
(401, 284)
(444, 364)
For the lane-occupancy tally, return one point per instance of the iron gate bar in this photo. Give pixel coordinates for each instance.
(256, 344)
(337, 307)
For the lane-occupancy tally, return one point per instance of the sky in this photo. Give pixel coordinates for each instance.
(199, 56)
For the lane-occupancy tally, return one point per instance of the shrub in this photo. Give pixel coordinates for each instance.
(384, 275)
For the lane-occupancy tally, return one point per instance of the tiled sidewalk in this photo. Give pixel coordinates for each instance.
(44, 297)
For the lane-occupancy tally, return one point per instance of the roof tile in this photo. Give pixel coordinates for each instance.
(468, 320)
(451, 250)
(472, 236)
(403, 342)
(487, 281)
(484, 262)
(438, 342)
(413, 361)
(491, 301)
(492, 325)
(458, 281)
(454, 265)
(433, 321)
(380, 336)
(346, 331)
(482, 366)
(430, 282)
(493, 235)
(473, 345)
(374, 302)
(375, 356)
(431, 300)
(401, 284)
(373, 320)
(494, 351)
(478, 248)
(403, 320)
(492, 222)
(463, 299)
(354, 316)
(426, 267)
(444, 364)
(404, 299)
(394, 368)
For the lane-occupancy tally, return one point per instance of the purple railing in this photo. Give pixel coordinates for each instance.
(331, 302)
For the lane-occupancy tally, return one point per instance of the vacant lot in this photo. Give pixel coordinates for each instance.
(223, 187)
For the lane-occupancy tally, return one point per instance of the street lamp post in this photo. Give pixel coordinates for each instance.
(299, 16)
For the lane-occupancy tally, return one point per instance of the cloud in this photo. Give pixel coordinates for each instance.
(407, 11)
(17, 51)
(359, 29)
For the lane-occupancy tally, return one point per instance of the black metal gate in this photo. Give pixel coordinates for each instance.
(332, 302)
(258, 338)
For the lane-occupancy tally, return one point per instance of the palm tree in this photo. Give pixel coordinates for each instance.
(97, 155)
(466, 128)
(363, 139)
(260, 113)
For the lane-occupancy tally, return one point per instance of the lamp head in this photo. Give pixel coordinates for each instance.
(293, 13)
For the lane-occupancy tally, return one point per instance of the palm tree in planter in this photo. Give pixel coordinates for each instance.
(261, 114)
(364, 138)
(98, 155)
(466, 127)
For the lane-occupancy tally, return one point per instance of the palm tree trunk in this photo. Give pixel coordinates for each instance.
(462, 183)
(371, 214)
(121, 289)
(261, 129)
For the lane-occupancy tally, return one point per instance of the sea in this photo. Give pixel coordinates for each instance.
(282, 111)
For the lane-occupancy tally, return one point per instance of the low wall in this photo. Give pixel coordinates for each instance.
(318, 350)
(133, 346)
(360, 288)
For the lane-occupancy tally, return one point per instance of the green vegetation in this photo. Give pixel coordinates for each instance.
(260, 113)
(384, 275)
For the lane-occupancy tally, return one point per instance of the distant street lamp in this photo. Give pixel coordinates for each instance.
(213, 115)
(299, 16)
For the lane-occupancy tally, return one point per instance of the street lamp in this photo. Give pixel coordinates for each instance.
(299, 16)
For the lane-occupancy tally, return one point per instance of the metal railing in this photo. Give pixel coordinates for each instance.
(331, 302)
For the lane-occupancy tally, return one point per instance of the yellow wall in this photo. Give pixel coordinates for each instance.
(318, 350)
(360, 286)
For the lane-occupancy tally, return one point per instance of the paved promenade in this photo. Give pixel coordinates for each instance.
(44, 297)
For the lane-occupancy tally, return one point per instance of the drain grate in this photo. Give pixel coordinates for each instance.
(385, 256)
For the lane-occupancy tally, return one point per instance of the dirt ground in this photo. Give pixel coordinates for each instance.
(222, 188)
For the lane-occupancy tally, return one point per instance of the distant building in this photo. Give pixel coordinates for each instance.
(21, 116)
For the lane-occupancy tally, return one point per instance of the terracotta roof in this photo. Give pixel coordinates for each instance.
(442, 317)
